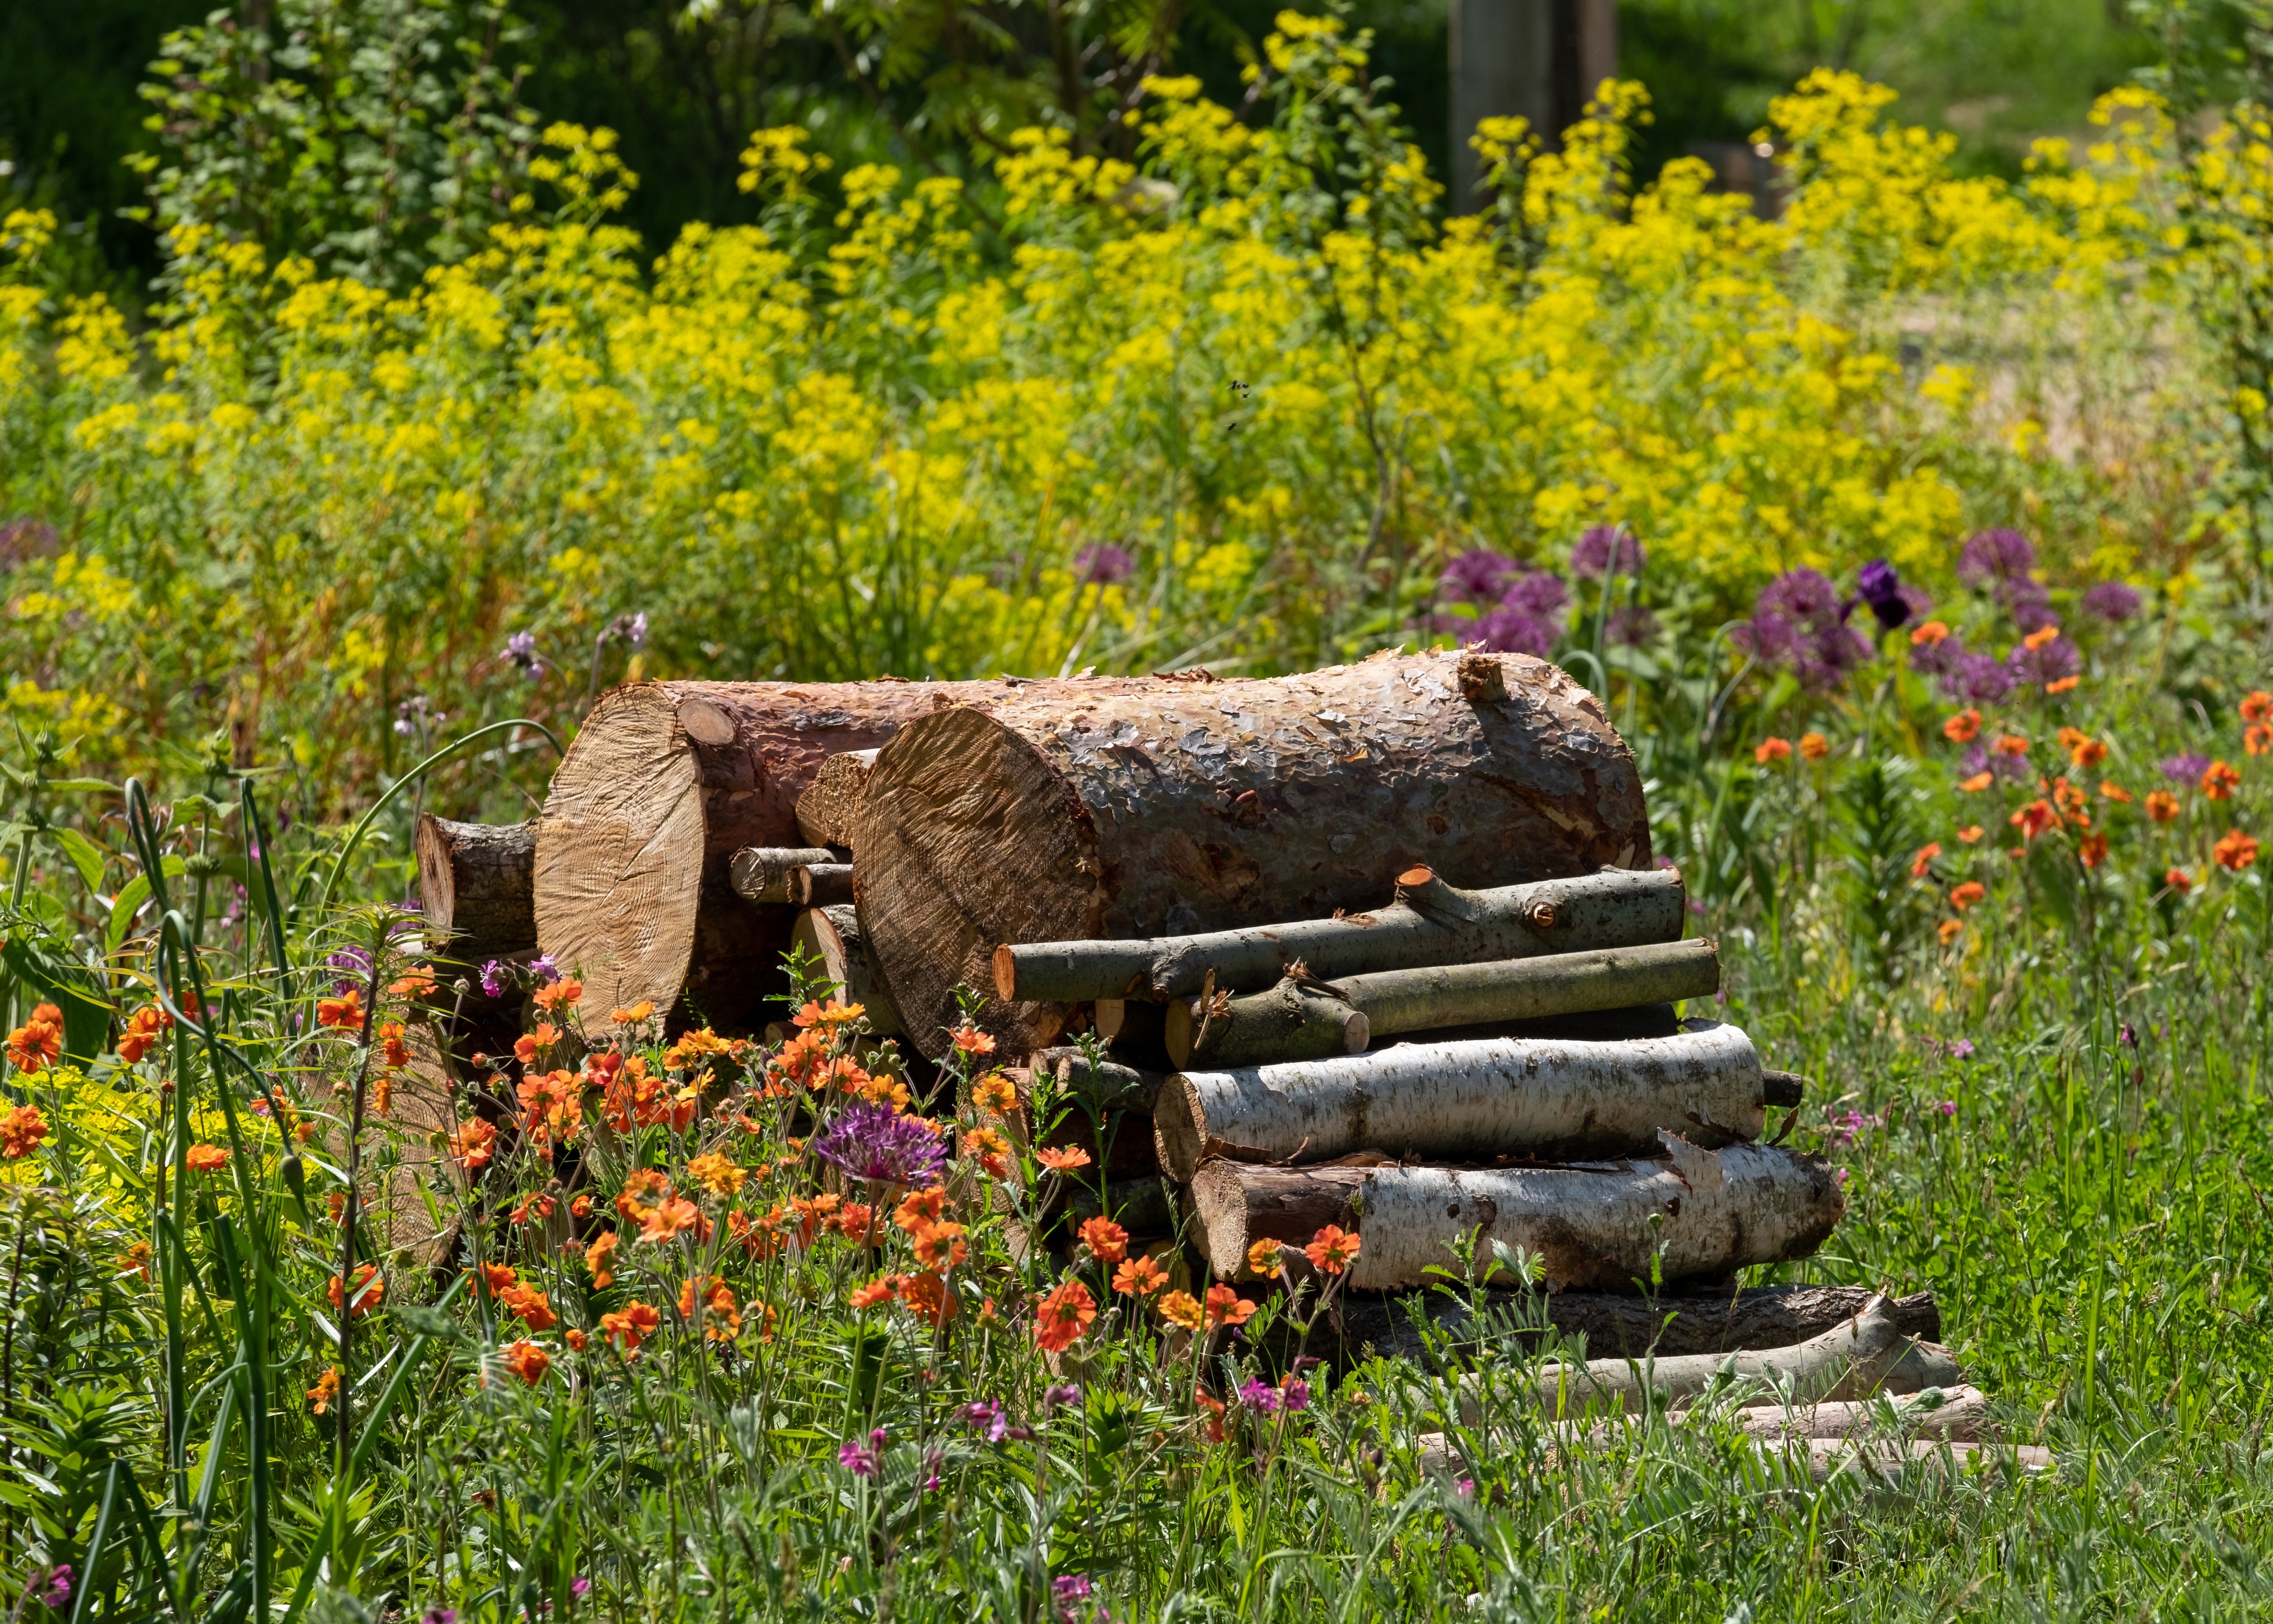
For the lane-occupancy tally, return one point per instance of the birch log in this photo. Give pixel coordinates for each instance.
(1430, 922)
(1589, 1223)
(1216, 805)
(1470, 1100)
(474, 884)
(833, 936)
(665, 783)
(831, 803)
(766, 875)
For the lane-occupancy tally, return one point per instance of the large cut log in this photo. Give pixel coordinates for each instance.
(1430, 923)
(833, 936)
(1221, 805)
(665, 783)
(1308, 1019)
(476, 887)
(1591, 1225)
(766, 875)
(1470, 1100)
(830, 805)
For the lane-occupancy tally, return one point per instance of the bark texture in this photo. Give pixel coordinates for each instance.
(476, 886)
(1108, 1085)
(831, 803)
(821, 885)
(1588, 1223)
(766, 875)
(1470, 1100)
(1211, 805)
(833, 936)
(1295, 1020)
(1429, 923)
(665, 783)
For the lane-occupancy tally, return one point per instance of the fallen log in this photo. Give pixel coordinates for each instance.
(1307, 1019)
(1960, 1413)
(766, 875)
(1215, 805)
(1591, 1225)
(821, 885)
(1429, 923)
(833, 936)
(474, 887)
(1472, 1101)
(831, 803)
(665, 783)
(1108, 1087)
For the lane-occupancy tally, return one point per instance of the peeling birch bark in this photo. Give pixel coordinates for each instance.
(1589, 1223)
(1471, 1100)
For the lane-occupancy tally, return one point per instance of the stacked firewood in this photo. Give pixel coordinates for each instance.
(1381, 946)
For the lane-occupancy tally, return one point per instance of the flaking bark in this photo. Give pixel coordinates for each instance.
(829, 807)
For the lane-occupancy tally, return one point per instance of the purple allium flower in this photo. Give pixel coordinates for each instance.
(579, 1588)
(1880, 588)
(1476, 576)
(59, 1585)
(986, 1417)
(354, 963)
(1937, 658)
(496, 977)
(2111, 601)
(2048, 664)
(1259, 1396)
(1296, 1393)
(861, 1460)
(1976, 678)
(544, 969)
(1606, 550)
(2187, 769)
(1990, 556)
(2029, 604)
(1539, 592)
(1103, 564)
(872, 1140)
(1512, 631)
(1797, 621)
(1630, 626)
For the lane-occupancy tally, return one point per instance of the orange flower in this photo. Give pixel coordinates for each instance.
(141, 1033)
(527, 1303)
(2088, 751)
(393, 1049)
(633, 1016)
(2179, 880)
(417, 984)
(1978, 781)
(600, 1257)
(632, 1324)
(527, 1361)
(1932, 631)
(884, 1288)
(369, 1288)
(581, 1207)
(1062, 1158)
(811, 1213)
(206, 1158)
(1139, 1277)
(1262, 1259)
(970, 1040)
(1225, 1306)
(2219, 781)
(925, 1296)
(528, 1046)
(2062, 685)
(1772, 749)
(534, 1207)
(21, 1129)
(327, 1389)
(1970, 833)
(576, 1340)
(473, 1144)
(2258, 741)
(39, 1042)
(994, 1093)
(857, 1221)
(2162, 806)
(560, 995)
(939, 1246)
(1331, 1249)
(1815, 747)
(1966, 895)
(1061, 1317)
(718, 1174)
(1950, 929)
(1182, 1308)
(672, 1215)
(643, 1189)
(2113, 791)
(342, 1012)
(498, 1277)
(2093, 850)
(920, 1207)
(1963, 728)
(2033, 819)
(2235, 851)
(1108, 1241)
(986, 1147)
(722, 1322)
(2039, 637)
(2010, 744)
(2257, 706)
(829, 1014)
(1923, 863)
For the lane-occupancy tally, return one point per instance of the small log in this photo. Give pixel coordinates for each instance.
(1136, 1030)
(1430, 923)
(1472, 1101)
(1592, 1225)
(833, 936)
(1207, 804)
(1960, 1413)
(820, 885)
(1782, 1090)
(830, 806)
(1110, 1087)
(1295, 1020)
(763, 874)
(475, 887)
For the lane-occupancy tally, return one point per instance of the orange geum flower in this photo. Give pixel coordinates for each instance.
(722, 1323)
(717, 1174)
(811, 1212)
(1962, 728)
(2179, 880)
(342, 1012)
(1949, 930)
(39, 1042)
(1932, 632)
(2089, 753)
(529, 1045)
(1262, 1259)
(632, 1324)
(2061, 685)
(884, 1288)
(2256, 706)
(1332, 1250)
(642, 1191)
(969, 1039)
(939, 1246)
(576, 1339)
(2258, 739)
(2219, 781)
(560, 995)
(1772, 749)
(674, 1214)
(327, 1389)
(994, 1092)
(600, 1257)
(634, 1015)
(920, 1207)
(1182, 1308)
(1965, 895)
(1225, 1306)
(500, 1277)
(2235, 851)
(418, 983)
(21, 1129)
(855, 1221)
(1978, 782)
(2093, 850)
(829, 1014)
(1106, 1241)
(2039, 637)
(1814, 745)
(1063, 1317)
(926, 1297)
(534, 1207)
(527, 1361)
(1139, 1277)
(2162, 806)
(1970, 833)
(1922, 864)
(206, 1158)
(2033, 819)
(370, 1287)
(528, 1305)
(1062, 1158)
(473, 1143)
(2113, 791)
(141, 1033)
(2010, 744)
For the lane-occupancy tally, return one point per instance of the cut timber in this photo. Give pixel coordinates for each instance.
(1209, 806)
(820, 885)
(1589, 1223)
(1136, 1030)
(767, 875)
(1430, 923)
(1471, 1101)
(1960, 1413)
(1110, 1085)
(1306, 1020)
(665, 783)
(833, 936)
(475, 887)
(831, 803)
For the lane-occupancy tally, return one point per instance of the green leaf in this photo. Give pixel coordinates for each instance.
(84, 785)
(84, 856)
(132, 895)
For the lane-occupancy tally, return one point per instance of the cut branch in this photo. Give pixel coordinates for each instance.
(767, 875)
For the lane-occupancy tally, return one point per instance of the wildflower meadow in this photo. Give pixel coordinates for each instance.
(1915, 537)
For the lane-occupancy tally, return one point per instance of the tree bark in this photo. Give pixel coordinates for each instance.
(821, 885)
(833, 936)
(766, 875)
(476, 882)
(1429, 923)
(830, 805)
(1295, 1020)
(1109, 1086)
(665, 783)
(1589, 1223)
(1469, 1101)
(1216, 805)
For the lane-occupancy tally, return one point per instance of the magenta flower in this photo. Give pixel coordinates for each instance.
(2187, 769)
(1259, 1396)
(496, 977)
(59, 1585)
(861, 1460)
(1799, 622)
(1606, 550)
(1295, 1394)
(1477, 577)
(1103, 564)
(870, 1139)
(2111, 601)
(986, 1417)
